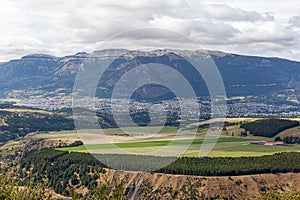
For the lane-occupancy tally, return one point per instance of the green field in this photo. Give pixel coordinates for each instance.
(195, 142)
(225, 147)
(250, 150)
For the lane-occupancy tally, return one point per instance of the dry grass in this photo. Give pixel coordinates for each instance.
(290, 132)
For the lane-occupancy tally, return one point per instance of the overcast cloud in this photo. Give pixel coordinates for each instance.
(62, 27)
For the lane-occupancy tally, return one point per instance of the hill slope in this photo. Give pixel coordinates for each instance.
(52, 76)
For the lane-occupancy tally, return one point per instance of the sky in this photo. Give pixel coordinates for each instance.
(65, 27)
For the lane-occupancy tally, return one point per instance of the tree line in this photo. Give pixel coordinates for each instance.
(289, 139)
(202, 166)
(228, 166)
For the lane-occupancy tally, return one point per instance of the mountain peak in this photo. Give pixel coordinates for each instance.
(214, 53)
(38, 56)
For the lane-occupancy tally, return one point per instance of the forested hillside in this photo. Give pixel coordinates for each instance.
(19, 121)
(268, 127)
(78, 175)
(63, 170)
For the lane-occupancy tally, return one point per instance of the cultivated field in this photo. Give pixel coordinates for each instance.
(229, 143)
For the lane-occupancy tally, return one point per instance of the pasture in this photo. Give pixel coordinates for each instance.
(226, 146)
(229, 144)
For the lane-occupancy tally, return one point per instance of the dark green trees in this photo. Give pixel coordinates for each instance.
(268, 127)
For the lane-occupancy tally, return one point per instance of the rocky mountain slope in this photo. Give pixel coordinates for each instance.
(44, 75)
(235, 187)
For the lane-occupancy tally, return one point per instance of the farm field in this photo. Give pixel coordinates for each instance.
(229, 144)
(226, 146)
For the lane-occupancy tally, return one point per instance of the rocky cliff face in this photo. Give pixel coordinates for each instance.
(235, 187)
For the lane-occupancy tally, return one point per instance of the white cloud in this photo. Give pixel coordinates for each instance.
(221, 12)
(63, 27)
(295, 21)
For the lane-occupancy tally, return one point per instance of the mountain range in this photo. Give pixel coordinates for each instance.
(44, 75)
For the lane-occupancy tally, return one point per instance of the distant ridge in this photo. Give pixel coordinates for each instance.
(45, 75)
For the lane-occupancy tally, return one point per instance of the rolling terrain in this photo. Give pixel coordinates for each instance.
(230, 142)
(42, 145)
(76, 175)
(55, 155)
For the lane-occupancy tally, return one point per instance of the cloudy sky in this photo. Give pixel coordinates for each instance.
(62, 27)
